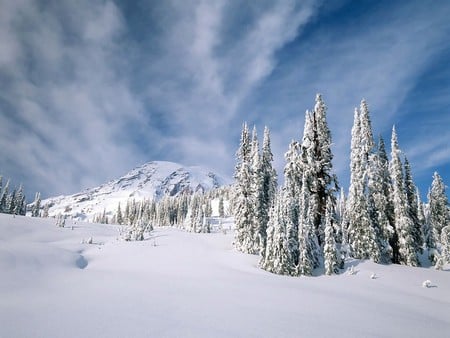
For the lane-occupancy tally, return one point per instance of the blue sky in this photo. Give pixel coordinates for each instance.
(91, 89)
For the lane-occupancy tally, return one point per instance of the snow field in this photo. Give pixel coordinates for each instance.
(179, 284)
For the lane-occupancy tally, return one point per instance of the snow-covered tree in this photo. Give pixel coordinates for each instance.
(403, 223)
(331, 256)
(379, 202)
(438, 204)
(46, 210)
(244, 197)
(277, 257)
(308, 251)
(221, 207)
(265, 181)
(361, 232)
(4, 193)
(317, 160)
(119, 217)
(411, 199)
(36, 205)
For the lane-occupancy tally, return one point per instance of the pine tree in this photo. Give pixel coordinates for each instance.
(316, 147)
(445, 244)
(267, 184)
(36, 205)
(119, 217)
(308, 251)
(19, 202)
(379, 204)
(403, 223)
(438, 214)
(438, 202)
(221, 207)
(361, 232)
(411, 199)
(3, 198)
(330, 249)
(277, 257)
(244, 201)
(46, 210)
(292, 187)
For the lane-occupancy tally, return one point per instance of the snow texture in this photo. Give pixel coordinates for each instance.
(180, 284)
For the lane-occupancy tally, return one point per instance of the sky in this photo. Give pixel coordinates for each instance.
(90, 89)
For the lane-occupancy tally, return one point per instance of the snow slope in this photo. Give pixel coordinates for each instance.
(152, 180)
(179, 284)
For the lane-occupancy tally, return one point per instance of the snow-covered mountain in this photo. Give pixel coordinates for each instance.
(152, 180)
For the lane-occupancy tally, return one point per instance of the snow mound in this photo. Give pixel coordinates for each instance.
(180, 284)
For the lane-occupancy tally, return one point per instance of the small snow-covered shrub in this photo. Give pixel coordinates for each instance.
(426, 284)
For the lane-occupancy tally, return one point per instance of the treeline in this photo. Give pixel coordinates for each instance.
(12, 202)
(309, 222)
(188, 211)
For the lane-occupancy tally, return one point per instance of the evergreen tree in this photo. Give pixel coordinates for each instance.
(438, 216)
(411, 199)
(403, 223)
(445, 245)
(119, 217)
(244, 201)
(19, 202)
(36, 205)
(221, 207)
(362, 236)
(379, 204)
(266, 182)
(308, 251)
(330, 249)
(46, 210)
(421, 218)
(3, 198)
(277, 258)
(438, 204)
(317, 158)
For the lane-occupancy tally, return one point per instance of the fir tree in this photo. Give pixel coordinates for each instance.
(403, 223)
(438, 204)
(308, 258)
(244, 201)
(411, 199)
(119, 217)
(267, 183)
(317, 155)
(221, 207)
(361, 231)
(438, 216)
(36, 205)
(330, 249)
(277, 258)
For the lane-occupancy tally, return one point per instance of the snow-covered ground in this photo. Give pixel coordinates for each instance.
(179, 284)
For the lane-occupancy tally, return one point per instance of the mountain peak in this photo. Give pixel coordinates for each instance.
(151, 180)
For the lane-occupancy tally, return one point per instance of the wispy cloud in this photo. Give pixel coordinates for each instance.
(64, 103)
(92, 88)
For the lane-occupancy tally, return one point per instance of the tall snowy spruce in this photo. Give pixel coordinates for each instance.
(309, 186)
(404, 225)
(277, 257)
(265, 180)
(330, 252)
(244, 201)
(361, 228)
(317, 163)
(411, 199)
(438, 216)
(255, 186)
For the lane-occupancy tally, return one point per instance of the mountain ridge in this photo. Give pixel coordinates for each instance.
(151, 180)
